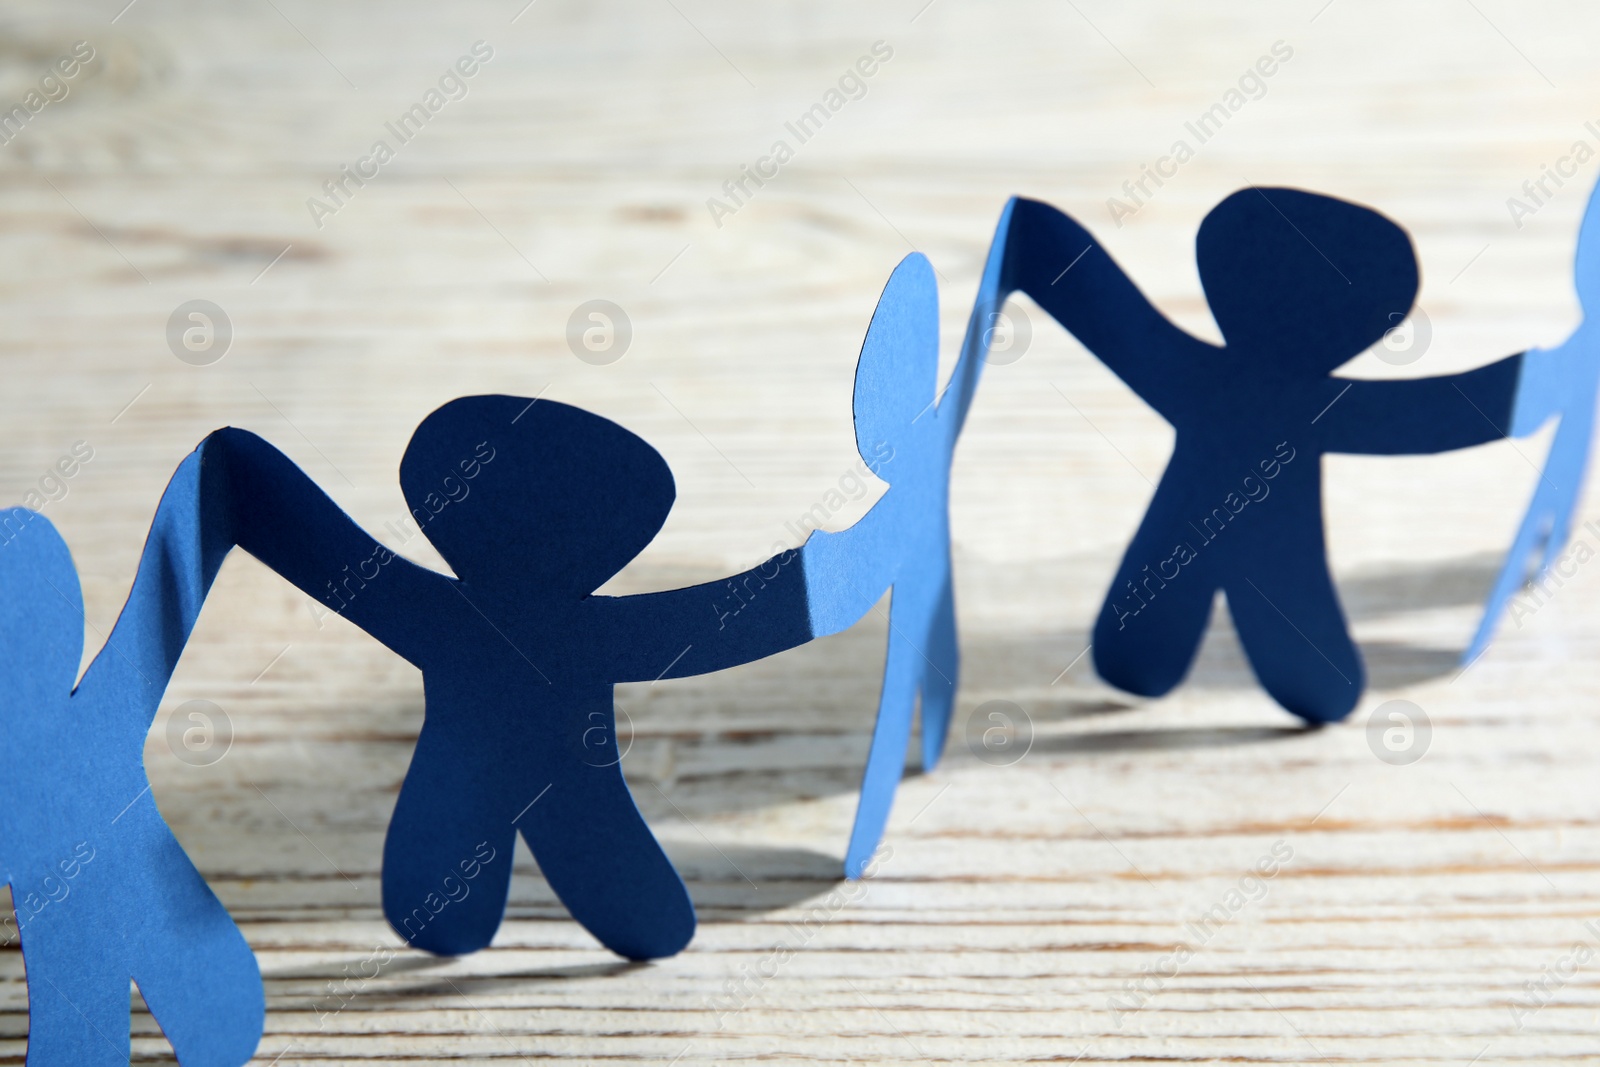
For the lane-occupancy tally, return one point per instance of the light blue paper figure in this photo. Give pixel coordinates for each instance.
(102, 890)
(1562, 382)
(906, 434)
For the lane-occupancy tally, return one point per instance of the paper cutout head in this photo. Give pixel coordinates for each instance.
(1301, 281)
(587, 492)
(896, 379)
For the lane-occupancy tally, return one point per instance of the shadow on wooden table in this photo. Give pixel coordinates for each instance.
(1166, 740)
(795, 728)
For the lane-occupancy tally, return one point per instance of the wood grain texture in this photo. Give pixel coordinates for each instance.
(1022, 905)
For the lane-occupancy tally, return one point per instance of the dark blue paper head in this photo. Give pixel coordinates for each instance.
(569, 496)
(1303, 280)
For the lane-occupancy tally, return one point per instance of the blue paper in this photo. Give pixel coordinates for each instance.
(533, 505)
(1299, 284)
(1561, 383)
(102, 890)
(906, 435)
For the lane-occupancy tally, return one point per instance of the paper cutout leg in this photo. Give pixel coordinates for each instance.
(921, 672)
(1292, 628)
(447, 858)
(910, 613)
(942, 675)
(447, 855)
(598, 854)
(77, 992)
(208, 1000)
(1156, 611)
(114, 922)
(1547, 524)
(1148, 655)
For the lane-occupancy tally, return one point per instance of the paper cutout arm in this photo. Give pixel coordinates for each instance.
(1050, 256)
(834, 579)
(678, 633)
(848, 571)
(284, 519)
(1418, 416)
(183, 551)
(993, 288)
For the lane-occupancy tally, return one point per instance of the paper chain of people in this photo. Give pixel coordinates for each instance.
(536, 504)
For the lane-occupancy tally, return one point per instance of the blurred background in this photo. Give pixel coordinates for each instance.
(198, 160)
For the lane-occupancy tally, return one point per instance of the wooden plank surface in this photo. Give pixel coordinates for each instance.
(1027, 912)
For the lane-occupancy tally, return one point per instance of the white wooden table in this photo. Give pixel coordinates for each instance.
(1021, 903)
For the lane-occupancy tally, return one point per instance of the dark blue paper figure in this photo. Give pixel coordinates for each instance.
(533, 505)
(1559, 382)
(1298, 284)
(906, 437)
(102, 890)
